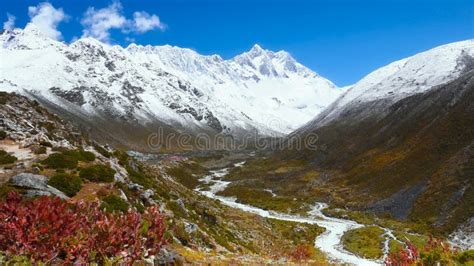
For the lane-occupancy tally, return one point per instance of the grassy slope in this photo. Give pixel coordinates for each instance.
(365, 241)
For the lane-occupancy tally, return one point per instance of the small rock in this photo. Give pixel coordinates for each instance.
(135, 187)
(190, 227)
(146, 196)
(133, 165)
(168, 257)
(122, 195)
(181, 203)
(20, 166)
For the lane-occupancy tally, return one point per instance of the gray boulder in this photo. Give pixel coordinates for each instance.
(37, 185)
(135, 187)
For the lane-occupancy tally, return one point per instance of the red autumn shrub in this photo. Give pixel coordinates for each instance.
(404, 257)
(47, 229)
(435, 252)
(302, 252)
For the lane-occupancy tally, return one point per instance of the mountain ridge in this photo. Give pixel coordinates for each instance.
(402, 78)
(171, 84)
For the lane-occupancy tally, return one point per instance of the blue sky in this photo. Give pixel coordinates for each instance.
(342, 40)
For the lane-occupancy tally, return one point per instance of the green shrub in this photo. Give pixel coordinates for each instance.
(60, 160)
(69, 184)
(102, 151)
(80, 155)
(122, 157)
(4, 97)
(140, 208)
(140, 178)
(183, 176)
(98, 173)
(6, 158)
(40, 167)
(3, 134)
(466, 257)
(87, 156)
(114, 203)
(68, 158)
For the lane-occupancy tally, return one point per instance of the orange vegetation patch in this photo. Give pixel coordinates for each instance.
(376, 159)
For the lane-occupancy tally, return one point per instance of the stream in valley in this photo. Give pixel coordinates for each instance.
(329, 242)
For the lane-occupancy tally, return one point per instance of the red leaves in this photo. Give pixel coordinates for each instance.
(302, 252)
(404, 257)
(47, 228)
(434, 252)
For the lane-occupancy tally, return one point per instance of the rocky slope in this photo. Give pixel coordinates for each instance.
(124, 94)
(42, 155)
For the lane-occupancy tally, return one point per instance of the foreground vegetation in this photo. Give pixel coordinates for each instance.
(435, 252)
(53, 231)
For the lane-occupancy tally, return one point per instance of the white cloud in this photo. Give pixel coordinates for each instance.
(143, 22)
(47, 18)
(98, 22)
(130, 40)
(10, 23)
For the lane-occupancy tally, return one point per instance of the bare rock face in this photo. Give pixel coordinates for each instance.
(399, 204)
(463, 237)
(37, 185)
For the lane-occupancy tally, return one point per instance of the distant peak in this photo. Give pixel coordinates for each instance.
(32, 29)
(90, 41)
(256, 47)
(256, 50)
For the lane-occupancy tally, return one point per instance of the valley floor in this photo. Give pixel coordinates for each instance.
(328, 242)
(350, 237)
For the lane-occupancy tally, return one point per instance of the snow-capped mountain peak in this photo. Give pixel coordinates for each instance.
(257, 91)
(30, 37)
(256, 51)
(414, 74)
(400, 79)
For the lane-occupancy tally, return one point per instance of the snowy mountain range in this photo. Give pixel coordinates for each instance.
(259, 91)
(133, 90)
